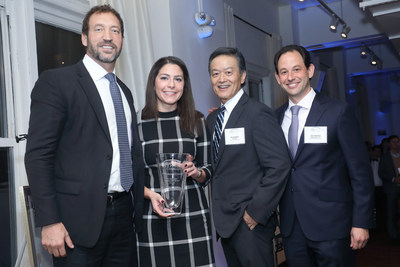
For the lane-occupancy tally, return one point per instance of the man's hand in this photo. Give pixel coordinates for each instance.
(54, 236)
(359, 238)
(210, 110)
(251, 223)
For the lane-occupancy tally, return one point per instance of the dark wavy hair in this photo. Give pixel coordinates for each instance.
(290, 48)
(101, 9)
(189, 117)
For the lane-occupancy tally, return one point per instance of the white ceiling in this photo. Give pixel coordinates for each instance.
(387, 15)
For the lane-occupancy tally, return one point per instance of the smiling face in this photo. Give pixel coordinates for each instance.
(226, 79)
(293, 76)
(169, 84)
(104, 39)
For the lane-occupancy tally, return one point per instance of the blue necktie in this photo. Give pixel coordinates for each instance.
(218, 131)
(294, 130)
(125, 168)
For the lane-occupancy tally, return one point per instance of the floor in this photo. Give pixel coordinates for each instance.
(379, 252)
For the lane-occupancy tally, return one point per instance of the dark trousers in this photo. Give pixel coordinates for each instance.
(380, 209)
(117, 242)
(392, 197)
(250, 248)
(301, 251)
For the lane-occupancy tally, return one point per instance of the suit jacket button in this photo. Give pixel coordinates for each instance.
(105, 185)
(291, 190)
(293, 169)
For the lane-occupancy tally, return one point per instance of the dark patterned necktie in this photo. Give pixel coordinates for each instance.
(218, 131)
(126, 171)
(294, 130)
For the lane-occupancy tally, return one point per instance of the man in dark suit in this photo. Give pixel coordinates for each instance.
(327, 207)
(82, 144)
(250, 167)
(389, 171)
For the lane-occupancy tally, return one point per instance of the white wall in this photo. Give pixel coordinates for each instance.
(288, 25)
(174, 32)
(195, 51)
(261, 13)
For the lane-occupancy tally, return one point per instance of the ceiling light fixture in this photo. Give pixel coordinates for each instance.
(363, 51)
(204, 21)
(334, 23)
(336, 19)
(345, 31)
(374, 60)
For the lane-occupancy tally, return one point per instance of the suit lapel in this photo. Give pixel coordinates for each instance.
(127, 94)
(93, 97)
(281, 112)
(231, 123)
(129, 98)
(316, 111)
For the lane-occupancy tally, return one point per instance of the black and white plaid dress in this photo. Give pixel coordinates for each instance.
(183, 240)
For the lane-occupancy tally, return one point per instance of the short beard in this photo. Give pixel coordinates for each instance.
(97, 55)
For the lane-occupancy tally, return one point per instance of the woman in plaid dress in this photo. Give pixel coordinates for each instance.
(169, 123)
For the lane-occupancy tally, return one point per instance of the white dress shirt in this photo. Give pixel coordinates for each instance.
(230, 105)
(103, 87)
(305, 105)
(375, 172)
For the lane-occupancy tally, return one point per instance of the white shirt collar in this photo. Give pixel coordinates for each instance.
(231, 103)
(95, 70)
(306, 102)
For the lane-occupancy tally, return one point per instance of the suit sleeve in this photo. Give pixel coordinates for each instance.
(386, 168)
(48, 115)
(270, 146)
(359, 168)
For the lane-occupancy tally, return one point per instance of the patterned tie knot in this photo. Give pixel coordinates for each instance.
(110, 76)
(295, 109)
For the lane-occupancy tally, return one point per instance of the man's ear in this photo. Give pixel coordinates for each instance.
(243, 77)
(310, 70)
(84, 39)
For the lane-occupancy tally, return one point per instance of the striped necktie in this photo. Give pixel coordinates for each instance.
(126, 171)
(218, 131)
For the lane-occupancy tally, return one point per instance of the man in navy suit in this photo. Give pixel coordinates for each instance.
(327, 207)
(389, 171)
(74, 160)
(250, 167)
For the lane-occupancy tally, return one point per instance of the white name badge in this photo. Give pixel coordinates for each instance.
(234, 136)
(316, 135)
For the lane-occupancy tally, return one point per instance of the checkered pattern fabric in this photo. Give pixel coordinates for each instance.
(183, 240)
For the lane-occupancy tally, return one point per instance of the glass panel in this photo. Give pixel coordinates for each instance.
(57, 47)
(5, 218)
(3, 104)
